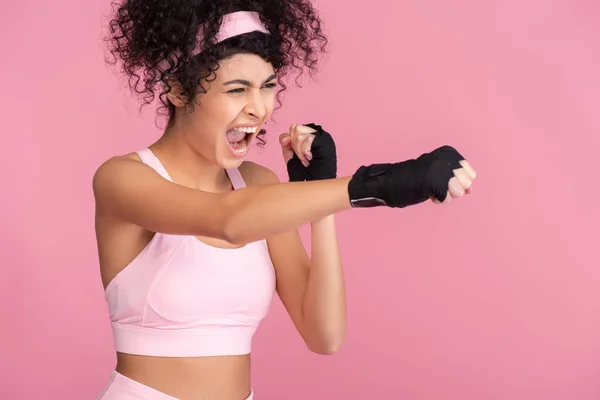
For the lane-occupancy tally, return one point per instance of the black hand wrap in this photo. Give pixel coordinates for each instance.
(324, 159)
(406, 183)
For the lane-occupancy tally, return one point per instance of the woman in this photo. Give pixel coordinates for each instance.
(193, 240)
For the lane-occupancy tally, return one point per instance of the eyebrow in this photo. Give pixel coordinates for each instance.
(248, 83)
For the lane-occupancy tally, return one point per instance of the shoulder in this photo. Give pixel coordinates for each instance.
(255, 174)
(113, 167)
(117, 161)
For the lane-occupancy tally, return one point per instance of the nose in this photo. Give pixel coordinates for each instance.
(256, 105)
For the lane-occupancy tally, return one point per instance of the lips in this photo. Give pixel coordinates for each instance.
(239, 139)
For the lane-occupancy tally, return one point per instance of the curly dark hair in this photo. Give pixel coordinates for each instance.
(154, 40)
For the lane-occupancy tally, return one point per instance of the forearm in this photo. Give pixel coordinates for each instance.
(324, 302)
(258, 212)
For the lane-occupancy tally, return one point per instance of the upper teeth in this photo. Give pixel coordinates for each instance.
(246, 129)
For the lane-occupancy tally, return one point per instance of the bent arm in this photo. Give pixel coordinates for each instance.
(324, 300)
(133, 192)
(312, 289)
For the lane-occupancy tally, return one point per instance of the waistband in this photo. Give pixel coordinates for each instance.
(197, 342)
(121, 387)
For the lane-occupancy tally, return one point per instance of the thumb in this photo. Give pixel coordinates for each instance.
(286, 146)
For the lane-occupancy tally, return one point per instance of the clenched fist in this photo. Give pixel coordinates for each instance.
(309, 153)
(440, 175)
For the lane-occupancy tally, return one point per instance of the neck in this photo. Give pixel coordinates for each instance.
(186, 166)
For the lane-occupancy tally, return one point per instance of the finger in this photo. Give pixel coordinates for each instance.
(296, 141)
(303, 136)
(463, 178)
(297, 146)
(286, 147)
(292, 132)
(305, 129)
(448, 199)
(455, 188)
(468, 169)
(307, 146)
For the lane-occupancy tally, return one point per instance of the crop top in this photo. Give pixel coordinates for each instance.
(181, 297)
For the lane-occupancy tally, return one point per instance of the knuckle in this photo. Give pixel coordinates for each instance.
(465, 180)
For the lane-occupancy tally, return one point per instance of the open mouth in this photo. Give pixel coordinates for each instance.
(239, 139)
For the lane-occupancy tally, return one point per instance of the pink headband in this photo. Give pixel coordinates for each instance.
(233, 24)
(238, 23)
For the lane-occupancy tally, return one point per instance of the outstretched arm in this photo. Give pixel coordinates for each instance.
(133, 192)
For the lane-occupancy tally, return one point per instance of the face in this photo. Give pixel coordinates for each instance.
(227, 118)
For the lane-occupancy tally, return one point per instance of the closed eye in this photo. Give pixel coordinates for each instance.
(270, 85)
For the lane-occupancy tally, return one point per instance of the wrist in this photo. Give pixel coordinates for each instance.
(344, 182)
(366, 185)
(324, 221)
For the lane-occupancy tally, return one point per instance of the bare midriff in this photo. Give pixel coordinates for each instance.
(190, 378)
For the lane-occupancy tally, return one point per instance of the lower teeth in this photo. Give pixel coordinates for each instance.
(239, 147)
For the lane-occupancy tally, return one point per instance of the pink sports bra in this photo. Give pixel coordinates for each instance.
(181, 297)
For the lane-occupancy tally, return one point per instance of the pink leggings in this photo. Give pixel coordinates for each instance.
(121, 387)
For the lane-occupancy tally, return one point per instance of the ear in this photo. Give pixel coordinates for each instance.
(175, 96)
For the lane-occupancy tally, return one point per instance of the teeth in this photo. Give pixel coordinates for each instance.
(246, 129)
(241, 147)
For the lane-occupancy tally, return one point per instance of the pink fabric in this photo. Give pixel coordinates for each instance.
(233, 24)
(182, 298)
(120, 387)
(238, 23)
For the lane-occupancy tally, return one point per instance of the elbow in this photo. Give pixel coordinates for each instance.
(230, 231)
(229, 217)
(327, 347)
(228, 234)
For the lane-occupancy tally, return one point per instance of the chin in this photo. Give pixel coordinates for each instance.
(228, 163)
(230, 159)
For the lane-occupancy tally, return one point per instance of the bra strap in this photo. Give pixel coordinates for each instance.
(236, 178)
(152, 161)
(148, 157)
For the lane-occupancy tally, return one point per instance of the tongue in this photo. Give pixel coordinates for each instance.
(234, 136)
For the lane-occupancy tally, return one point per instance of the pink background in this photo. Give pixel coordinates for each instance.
(493, 297)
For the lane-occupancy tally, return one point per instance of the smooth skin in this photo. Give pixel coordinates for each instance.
(133, 202)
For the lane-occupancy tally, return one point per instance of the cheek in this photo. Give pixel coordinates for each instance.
(214, 117)
(205, 132)
(270, 103)
(225, 111)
